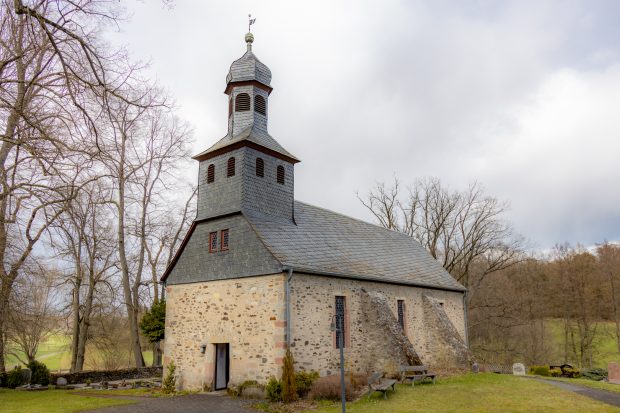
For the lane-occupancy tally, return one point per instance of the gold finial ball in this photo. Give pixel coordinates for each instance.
(249, 38)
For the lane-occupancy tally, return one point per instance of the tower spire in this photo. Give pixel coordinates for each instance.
(249, 37)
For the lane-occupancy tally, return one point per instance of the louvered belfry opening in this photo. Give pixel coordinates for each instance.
(260, 105)
(260, 167)
(230, 107)
(280, 174)
(230, 170)
(210, 173)
(242, 102)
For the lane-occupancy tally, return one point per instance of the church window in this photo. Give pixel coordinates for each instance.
(230, 106)
(340, 321)
(210, 173)
(224, 240)
(260, 167)
(280, 174)
(230, 171)
(213, 242)
(401, 313)
(242, 102)
(260, 105)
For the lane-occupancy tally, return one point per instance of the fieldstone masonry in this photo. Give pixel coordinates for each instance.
(389, 346)
(446, 343)
(247, 313)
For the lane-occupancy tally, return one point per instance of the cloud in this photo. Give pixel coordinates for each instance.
(520, 96)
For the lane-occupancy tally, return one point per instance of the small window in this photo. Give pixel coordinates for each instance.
(213, 242)
(260, 167)
(260, 105)
(210, 173)
(230, 170)
(242, 102)
(401, 313)
(224, 240)
(230, 106)
(340, 322)
(280, 174)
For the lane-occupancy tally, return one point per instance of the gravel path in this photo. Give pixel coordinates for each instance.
(192, 403)
(600, 395)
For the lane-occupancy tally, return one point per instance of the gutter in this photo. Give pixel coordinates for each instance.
(288, 306)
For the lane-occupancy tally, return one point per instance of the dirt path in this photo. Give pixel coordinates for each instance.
(600, 395)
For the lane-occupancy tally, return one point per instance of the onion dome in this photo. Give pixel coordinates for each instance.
(248, 67)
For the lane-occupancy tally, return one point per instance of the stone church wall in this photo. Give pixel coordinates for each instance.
(248, 313)
(313, 302)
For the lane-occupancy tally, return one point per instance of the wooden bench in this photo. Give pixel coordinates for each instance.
(376, 382)
(413, 373)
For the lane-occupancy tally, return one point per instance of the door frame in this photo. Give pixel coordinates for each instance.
(227, 366)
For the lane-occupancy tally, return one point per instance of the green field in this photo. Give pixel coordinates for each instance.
(481, 393)
(605, 347)
(52, 401)
(55, 353)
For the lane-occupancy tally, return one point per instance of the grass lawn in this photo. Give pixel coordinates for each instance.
(52, 401)
(476, 393)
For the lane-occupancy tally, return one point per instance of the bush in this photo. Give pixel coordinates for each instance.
(40, 373)
(555, 372)
(3, 378)
(170, 381)
(289, 387)
(15, 378)
(304, 381)
(274, 390)
(595, 374)
(329, 388)
(571, 372)
(540, 370)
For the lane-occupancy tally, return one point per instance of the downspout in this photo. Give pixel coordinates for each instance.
(465, 315)
(288, 307)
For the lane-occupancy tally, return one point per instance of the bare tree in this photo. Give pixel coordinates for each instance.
(609, 264)
(459, 229)
(33, 316)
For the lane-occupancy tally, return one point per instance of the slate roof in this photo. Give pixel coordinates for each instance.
(248, 67)
(325, 242)
(250, 134)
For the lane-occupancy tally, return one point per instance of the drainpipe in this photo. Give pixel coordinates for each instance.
(465, 315)
(288, 307)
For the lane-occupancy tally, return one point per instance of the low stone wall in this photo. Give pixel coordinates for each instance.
(111, 375)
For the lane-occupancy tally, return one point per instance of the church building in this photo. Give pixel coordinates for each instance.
(259, 271)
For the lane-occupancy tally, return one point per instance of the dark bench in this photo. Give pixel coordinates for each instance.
(376, 382)
(413, 373)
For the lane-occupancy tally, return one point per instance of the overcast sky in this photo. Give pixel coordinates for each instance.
(523, 97)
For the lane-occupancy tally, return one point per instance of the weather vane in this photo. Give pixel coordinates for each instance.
(250, 22)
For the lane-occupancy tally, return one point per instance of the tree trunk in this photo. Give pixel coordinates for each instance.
(76, 325)
(157, 354)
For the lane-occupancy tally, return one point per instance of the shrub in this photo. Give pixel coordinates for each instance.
(571, 372)
(3, 378)
(40, 373)
(555, 372)
(329, 388)
(274, 390)
(15, 378)
(595, 374)
(539, 370)
(170, 381)
(304, 381)
(289, 387)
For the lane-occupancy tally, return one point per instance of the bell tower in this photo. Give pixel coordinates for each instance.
(247, 170)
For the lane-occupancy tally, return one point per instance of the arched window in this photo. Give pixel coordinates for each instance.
(260, 105)
(230, 171)
(260, 167)
(242, 102)
(210, 173)
(230, 106)
(280, 174)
